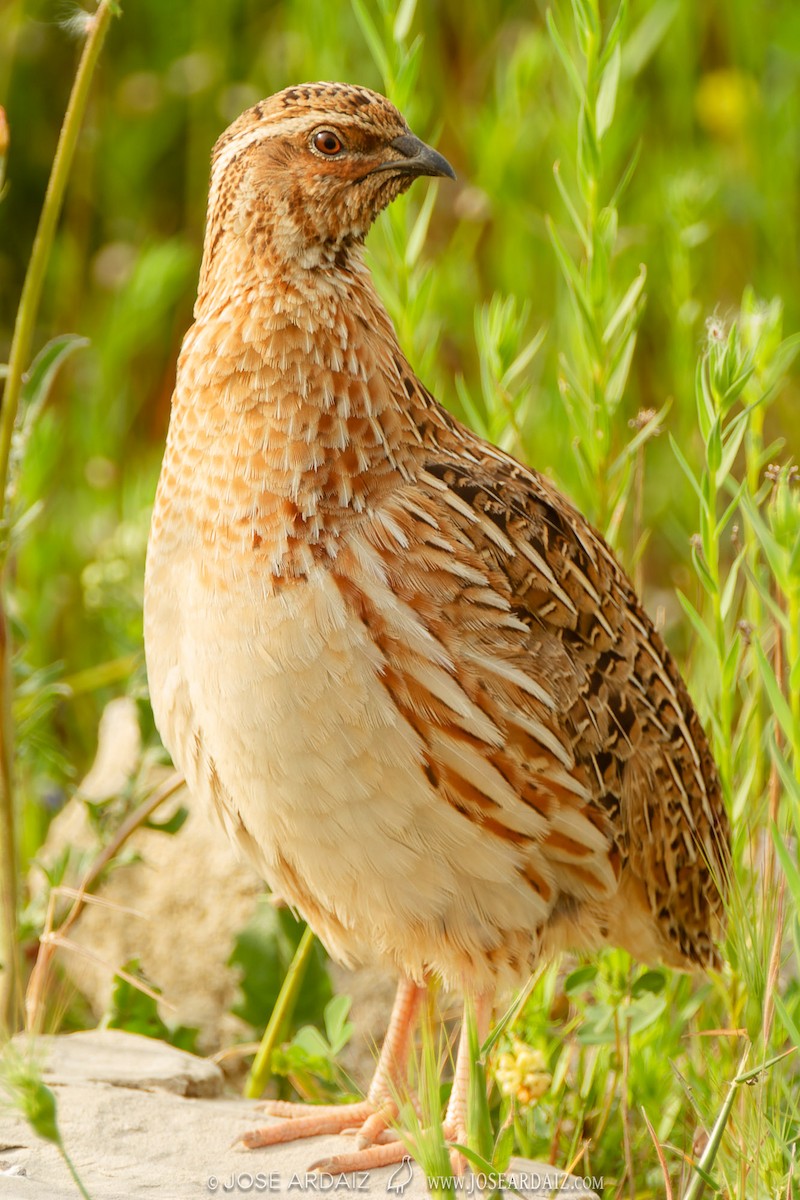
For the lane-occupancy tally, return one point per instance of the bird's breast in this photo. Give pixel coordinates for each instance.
(273, 704)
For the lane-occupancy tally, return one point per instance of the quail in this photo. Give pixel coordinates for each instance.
(411, 680)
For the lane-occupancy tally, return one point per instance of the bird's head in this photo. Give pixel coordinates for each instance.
(302, 175)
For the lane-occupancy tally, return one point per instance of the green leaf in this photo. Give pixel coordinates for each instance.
(790, 868)
(614, 34)
(404, 19)
(586, 19)
(478, 1119)
(475, 418)
(580, 979)
(136, 1011)
(566, 57)
(785, 355)
(310, 1040)
(714, 448)
(789, 1024)
(573, 279)
(703, 572)
(172, 825)
(688, 472)
(730, 665)
(645, 1011)
(627, 304)
(419, 230)
(337, 1026)
(732, 443)
(788, 778)
(706, 408)
(263, 953)
(730, 510)
(525, 357)
(588, 159)
(40, 1112)
(648, 35)
(729, 587)
(607, 95)
(618, 380)
(650, 982)
(780, 706)
(580, 228)
(627, 176)
(39, 378)
(769, 543)
(598, 1029)
(503, 1146)
(735, 389)
(512, 1012)
(36, 385)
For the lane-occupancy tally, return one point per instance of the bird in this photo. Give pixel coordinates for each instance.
(413, 683)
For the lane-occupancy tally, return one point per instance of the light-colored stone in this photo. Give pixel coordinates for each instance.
(129, 1144)
(192, 896)
(122, 1059)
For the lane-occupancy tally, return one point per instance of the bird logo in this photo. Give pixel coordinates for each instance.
(400, 1177)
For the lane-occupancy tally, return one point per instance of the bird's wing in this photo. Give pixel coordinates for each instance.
(548, 707)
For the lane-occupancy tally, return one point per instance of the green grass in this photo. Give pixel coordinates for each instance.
(625, 321)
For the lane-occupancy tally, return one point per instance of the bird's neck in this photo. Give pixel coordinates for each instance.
(290, 401)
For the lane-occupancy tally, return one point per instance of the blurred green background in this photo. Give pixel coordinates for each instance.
(708, 92)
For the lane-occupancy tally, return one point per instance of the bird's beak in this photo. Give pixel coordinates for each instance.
(415, 158)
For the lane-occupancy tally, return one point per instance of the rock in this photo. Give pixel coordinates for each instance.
(190, 897)
(127, 1142)
(123, 1060)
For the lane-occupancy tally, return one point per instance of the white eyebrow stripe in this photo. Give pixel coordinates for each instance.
(251, 136)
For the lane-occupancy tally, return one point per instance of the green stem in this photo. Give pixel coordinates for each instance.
(101, 675)
(598, 365)
(74, 1174)
(697, 1184)
(711, 545)
(10, 972)
(260, 1070)
(24, 326)
(792, 659)
(726, 695)
(97, 27)
(753, 604)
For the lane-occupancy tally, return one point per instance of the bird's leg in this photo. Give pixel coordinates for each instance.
(371, 1116)
(383, 1151)
(455, 1121)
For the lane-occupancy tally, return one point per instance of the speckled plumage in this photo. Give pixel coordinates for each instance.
(413, 681)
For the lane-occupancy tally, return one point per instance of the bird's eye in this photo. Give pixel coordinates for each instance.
(327, 142)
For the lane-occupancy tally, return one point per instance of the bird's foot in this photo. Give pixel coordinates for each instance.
(368, 1120)
(376, 1144)
(385, 1151)
(306, 1120)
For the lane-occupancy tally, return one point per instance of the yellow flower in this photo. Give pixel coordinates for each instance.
(522, 1074)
